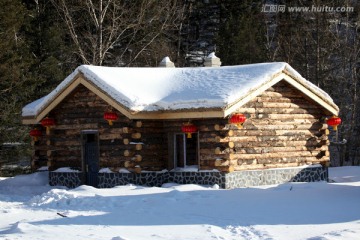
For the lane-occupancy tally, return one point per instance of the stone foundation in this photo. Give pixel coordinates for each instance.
(224, 180)
(67, 179)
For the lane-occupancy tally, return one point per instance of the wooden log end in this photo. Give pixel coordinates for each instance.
(136, 135)
(137, 169)
(129, 164)
(221, 162)
(227, 169)
(49, 163)
(126, 153)
(126, 130)
(138, 124)
(137, 158)
(217, 150)
(217, 139)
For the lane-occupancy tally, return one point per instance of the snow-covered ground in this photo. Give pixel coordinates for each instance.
(30, 209)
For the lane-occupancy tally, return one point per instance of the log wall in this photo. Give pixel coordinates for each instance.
(135, 145)
(283, 129)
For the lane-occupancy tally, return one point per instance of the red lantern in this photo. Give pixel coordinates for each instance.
(110, 117)
(334, 122)
(48, 122)
(35, 134)
(188, 128)
(238, 119)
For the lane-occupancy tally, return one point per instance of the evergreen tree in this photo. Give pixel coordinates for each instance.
(50, 47)
(15, 64)
(241, 37)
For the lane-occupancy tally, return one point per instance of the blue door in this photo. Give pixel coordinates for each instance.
(91, 158)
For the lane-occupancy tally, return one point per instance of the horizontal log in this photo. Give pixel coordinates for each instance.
(282, 126)
(220, 162)
(66, 160)
(256, 121)
(42, 147)
(219, 127)
(66, 142)
(74, 127)
(303, 104)
(217, 150)
(274, 155)
(109, 136)
(222, 134)
(308, 143)
(297, 159)
(279, 110)
(110, 161)
(275, 132)
(290, 95)
(151, 131)
(279, 98)
(258, 150)
(212, 156)
(263, 138)
(281, 116)
(151, 124)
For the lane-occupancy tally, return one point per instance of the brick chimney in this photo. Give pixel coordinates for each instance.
(212, 61)
(166, 62)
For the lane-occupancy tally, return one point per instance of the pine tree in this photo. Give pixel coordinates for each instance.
(15, 63)
(241, 37)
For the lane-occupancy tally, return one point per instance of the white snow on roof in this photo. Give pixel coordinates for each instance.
(153, 89)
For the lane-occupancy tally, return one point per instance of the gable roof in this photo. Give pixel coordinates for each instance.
(156, 92)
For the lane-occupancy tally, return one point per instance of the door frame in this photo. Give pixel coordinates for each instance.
(195, 134)
(84, 167)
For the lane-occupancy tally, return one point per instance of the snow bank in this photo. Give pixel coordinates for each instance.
(345, 174)
(294, 211)
(35, 179)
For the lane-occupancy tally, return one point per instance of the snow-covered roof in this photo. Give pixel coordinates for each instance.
(171, 89)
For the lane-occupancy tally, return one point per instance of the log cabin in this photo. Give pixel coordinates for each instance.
(234, 126)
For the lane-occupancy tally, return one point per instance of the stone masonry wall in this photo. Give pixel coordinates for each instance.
(224, 180)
